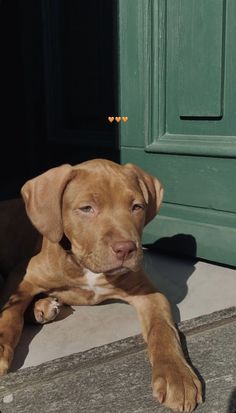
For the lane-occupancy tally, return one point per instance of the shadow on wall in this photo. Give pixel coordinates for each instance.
(232, 402)
(184, 244)
(171, 276)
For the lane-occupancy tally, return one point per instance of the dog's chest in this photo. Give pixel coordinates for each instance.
(94, 282)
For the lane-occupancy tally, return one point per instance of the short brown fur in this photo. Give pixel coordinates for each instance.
(101, 208)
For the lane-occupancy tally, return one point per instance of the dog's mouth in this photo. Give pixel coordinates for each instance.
(111, 270)
(99, 263)
(117, 271)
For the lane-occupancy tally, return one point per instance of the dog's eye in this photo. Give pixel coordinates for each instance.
(137, 207)
(87, 209)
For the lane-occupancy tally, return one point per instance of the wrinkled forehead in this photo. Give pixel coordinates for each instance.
(102, 184)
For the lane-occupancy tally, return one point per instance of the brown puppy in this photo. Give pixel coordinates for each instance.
(100, 208)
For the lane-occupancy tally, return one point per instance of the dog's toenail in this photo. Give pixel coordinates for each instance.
(160, 396)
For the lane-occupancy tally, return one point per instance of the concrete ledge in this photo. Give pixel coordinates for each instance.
(116, 377)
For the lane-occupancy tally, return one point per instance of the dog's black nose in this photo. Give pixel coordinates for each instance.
(123, 249)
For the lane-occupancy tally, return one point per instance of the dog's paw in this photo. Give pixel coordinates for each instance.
(6, 356)
(46, 310)
(176, 386)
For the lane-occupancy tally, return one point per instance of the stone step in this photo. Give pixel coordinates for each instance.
(116, 378)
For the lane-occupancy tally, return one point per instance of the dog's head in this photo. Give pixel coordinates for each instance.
(100, 206)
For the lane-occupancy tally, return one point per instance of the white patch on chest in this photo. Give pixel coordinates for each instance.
(92, 280)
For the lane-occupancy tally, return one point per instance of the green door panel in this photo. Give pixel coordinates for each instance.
(177, 87)
(137, 59)
(200, 81)
(199, 78)
(214, 230)
(214, 242)
(190, 180)
(153, 64)
(133, 66)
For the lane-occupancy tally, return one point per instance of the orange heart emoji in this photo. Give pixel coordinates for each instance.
(125, 118)
(110, 118)
(118, 118)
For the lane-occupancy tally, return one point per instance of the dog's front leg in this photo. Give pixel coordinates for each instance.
(12, 320)
(174, 382)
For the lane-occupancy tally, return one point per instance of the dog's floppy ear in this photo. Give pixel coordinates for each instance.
(152, 190)
(43, 196)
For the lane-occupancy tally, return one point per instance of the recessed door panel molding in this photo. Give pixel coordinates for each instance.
(201, 58)
(191, 84)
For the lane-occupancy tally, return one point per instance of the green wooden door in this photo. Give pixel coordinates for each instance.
(178, 89)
